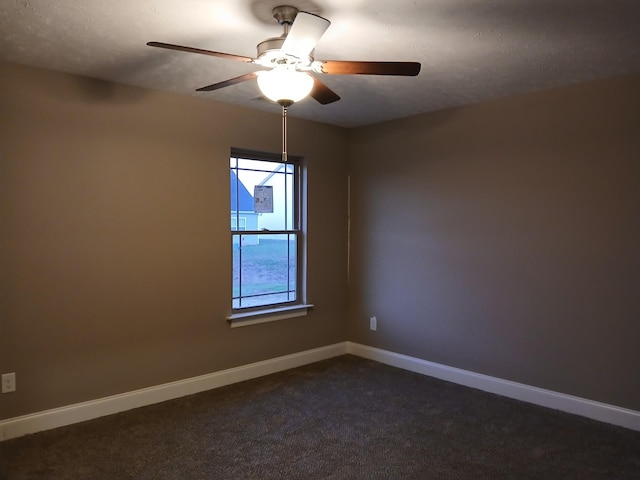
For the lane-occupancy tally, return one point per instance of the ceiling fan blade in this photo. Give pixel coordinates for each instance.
(323, 94)
(227, 83)
(305, 32)
(333, 67)
(200, 51)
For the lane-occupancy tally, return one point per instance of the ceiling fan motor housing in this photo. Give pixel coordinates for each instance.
(270, 54)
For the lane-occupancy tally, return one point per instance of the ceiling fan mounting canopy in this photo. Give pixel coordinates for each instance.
(293, 52)
(285, 14)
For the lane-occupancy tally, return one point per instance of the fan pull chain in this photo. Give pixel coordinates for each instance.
(284, 133)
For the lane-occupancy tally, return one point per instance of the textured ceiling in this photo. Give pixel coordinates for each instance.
(470, 50)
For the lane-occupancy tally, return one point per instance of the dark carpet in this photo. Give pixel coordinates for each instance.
(344, 418)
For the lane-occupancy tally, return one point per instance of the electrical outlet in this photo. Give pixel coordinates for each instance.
(8, 382)
(373, 323)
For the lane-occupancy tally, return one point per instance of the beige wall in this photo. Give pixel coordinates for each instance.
(501, 238)
(504, 238)
(114, 242)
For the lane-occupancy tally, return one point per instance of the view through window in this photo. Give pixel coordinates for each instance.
(265, 231)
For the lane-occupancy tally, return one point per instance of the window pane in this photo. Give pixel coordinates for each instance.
(264, 269)
(242, 215)
(246, 175)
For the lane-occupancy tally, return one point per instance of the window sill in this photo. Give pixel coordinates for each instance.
(270, 315)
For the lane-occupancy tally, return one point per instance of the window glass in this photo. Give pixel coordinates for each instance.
(265, 208)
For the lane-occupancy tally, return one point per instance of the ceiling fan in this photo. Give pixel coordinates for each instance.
(288, 61)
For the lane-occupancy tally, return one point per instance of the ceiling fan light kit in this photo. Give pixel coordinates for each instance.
(285, 86)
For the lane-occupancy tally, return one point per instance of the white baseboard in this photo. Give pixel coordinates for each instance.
(58, 417)
(538, 396)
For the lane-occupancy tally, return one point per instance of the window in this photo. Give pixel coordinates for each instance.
(266, 208)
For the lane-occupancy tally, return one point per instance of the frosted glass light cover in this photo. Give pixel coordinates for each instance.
(282, 84)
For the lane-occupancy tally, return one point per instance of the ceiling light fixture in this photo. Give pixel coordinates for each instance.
(285, 85)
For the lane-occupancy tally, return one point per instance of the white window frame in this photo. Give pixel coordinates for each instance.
(252, 315)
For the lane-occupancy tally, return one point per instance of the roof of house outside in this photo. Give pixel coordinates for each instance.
(241, 198)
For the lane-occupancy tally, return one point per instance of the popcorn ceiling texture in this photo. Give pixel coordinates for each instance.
(471, 51)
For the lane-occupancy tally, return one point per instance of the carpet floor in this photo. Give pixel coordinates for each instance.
(343, 418)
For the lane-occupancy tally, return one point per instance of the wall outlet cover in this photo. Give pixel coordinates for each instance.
(8, 382)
